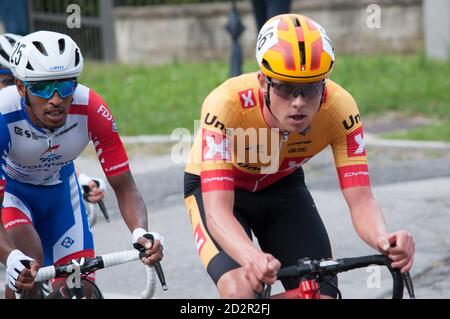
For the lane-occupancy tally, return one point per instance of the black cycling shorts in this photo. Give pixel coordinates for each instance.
(283, 217)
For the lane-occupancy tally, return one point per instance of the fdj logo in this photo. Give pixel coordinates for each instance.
(67, 242)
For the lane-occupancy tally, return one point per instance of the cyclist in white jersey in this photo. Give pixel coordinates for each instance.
(7, 41)
(46, 121)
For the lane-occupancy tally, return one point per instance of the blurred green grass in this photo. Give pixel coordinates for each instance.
(149, 99)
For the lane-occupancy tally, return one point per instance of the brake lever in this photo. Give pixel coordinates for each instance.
(157, 265)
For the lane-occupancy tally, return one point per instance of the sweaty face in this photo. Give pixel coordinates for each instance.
(48, 113)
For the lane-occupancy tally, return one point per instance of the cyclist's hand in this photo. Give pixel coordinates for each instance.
(400, 247)
(95, 185)
(96, 193)
(262, 269)
(153, 249)
(20, 271)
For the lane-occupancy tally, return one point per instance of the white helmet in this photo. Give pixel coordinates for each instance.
(46, 55)
(7, 42)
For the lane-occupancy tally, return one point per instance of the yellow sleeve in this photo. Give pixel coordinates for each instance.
(347, 141)
(212, 145)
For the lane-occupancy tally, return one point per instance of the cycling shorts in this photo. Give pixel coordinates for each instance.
(57, 213)
(283, 217)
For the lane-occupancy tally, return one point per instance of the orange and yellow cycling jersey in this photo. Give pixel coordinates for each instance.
(236, 148)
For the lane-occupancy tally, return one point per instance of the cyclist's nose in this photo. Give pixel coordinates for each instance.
(56, 99)
(298, 102)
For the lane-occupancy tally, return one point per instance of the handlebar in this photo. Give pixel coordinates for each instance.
(330, 268)
(89, 265)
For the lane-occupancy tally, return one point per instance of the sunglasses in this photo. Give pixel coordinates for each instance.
(289, 90)
(4, 71)
(46, 89)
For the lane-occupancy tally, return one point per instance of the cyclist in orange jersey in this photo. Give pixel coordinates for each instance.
(245, 174)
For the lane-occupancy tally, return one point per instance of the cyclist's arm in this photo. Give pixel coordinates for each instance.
(225, 228)
(130, 201)
(259, 267)
(6, 246)
(366, 215)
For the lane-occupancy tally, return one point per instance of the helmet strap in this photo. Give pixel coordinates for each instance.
(322, 98)
(27, 98)
(267, 101)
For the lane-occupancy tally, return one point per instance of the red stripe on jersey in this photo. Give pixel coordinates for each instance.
(316, 52)
(353, 176)
(78, 109)
(2, 187)
(257, 181)
(103, 133)
(12, 217)
(88, 253)
(217, 180)
(200, 238)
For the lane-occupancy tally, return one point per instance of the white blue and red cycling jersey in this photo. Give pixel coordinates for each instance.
(37, 166)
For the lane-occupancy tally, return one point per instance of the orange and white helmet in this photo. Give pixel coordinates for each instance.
(294, 48)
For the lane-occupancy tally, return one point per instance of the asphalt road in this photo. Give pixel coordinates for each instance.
(412, 186)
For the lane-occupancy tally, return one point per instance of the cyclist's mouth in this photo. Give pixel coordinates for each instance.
(56, 115)
(297, 119)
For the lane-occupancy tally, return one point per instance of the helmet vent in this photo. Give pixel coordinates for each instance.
(10, 40)
(29, 67)
(301, 47)
(40, 47)
(266, 64)
(4, 55)
(62, 45)
(77, 57)
(296, 22)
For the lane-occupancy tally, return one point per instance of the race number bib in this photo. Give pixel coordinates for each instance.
(267, 38)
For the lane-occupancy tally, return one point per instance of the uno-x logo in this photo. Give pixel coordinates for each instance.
(292, 164)
(199, 237)
(67, 242)
(248, 98)
(355, 143)
(215, 146)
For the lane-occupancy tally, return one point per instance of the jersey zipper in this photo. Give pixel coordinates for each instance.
(284, 138)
